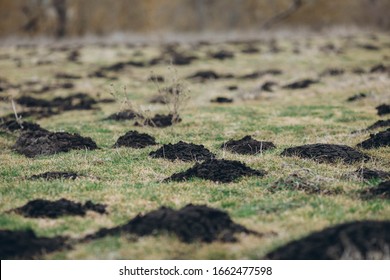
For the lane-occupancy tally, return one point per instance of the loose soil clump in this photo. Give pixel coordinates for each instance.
(379, 124)
(247, 146)
(383, 109)
(183, 151)
(381, 191)
(134, 139)
(24, 244)
(357, 97)
(123, 115)
(354, 240)
(55, 176)
(224, 171)
(221, 99)
(41, 208)
(380, 139)
(13, 125)
(328, 153)
(36, 143)
(301, 84)
(369, 174)
(190, 224)
(222, 55)
(160, 121)
(209, 75)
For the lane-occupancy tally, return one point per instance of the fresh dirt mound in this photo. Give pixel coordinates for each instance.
(383, 109)
(332, 72)
(301, 84)
(24, 244)
(55, 176)
(380, 191)
(183, 151)
(380, 139)
(122, 116)
(247, 145)
(368, 174)
(379, 124)
(326, 153)
(13, 125)
(267, 86)
(224, 171)
(136, 140)
(380, 68)
(296, 182)
(209, 75)
(221, 99)
(190, 223)
(160, 121)
(221, 55)
(41, 208)
(35, 143)
(357, 97)
(354, 240)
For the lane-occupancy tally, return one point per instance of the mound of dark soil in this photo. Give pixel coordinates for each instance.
(247, 146)
(41, 208)
(190, 223)
(326, 153)
(160, 121)
(356, 97)
(354, 240)
(250, 50)
(223, 171)
(369, 174)
(136, 140)
(158, 99)
(122, 116)
(301, 84)
(221, 55)
(380, 68)
(231, 88)
(67, 76)
(267, 86)
(209, 75)
(333, 72)
(55, 176)
(383, 109)
(380, 191)
(379, 124)
(36, 143)
(380, 139)
(24, 244)
(13, 125)
(183, 151)
(221, 99)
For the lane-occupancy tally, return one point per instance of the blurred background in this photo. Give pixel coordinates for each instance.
(62, 18)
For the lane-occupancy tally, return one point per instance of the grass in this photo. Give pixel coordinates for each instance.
(129, 182)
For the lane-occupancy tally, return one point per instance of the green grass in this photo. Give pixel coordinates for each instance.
(129, 181)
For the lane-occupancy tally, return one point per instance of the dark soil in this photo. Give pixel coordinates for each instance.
(190, 224)
(67, 76)
(183, 151)
(380, 68)
(247, 146)
(122, 116)
(369, 174)
(136, 140)
(381, 191)
(301, 84)
(224, 171)
(250, 50)
(24, 244)
(333, 72)
(55, 176)
(158, 99)
(357, 97)
(379, 124)
(267, 86)
(13, 125)
(380, 139)
(209, 75)
(36, 143)
(326, 153)
(383, 109)
(41, 208)
(221, 99)
(221, 55)
(231, 88)
(160, 121)
(354, 240)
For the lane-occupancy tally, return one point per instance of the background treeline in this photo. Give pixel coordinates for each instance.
(80, 17)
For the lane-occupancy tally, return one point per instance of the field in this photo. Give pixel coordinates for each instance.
(279, 205)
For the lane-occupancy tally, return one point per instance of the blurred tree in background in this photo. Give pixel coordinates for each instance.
(80, 17)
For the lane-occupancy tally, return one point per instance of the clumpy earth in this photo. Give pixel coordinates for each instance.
(380, 139)
(383, 109)
(357, 97)
(36, 143)
(301, 84)
(13, 125)
(160, 121)
(134, 139)
(379, 124)
(24, 244)
(224, 171)
(329, 153)
(190, 223)
(41, 208)
(122, 116)
(354, 240)
(247, 145)
(221, 99)
(183, 151)
(55, 175)
(369, 174)
(380, 191)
